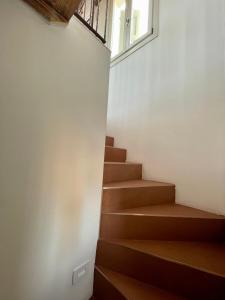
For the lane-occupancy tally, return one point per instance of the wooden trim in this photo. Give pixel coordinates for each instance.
(55, 10)
(46, 10)
(66, 8)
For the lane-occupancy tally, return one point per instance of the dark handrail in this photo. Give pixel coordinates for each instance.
(94, 15)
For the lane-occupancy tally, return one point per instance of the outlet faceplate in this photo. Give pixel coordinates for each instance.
(80, 272)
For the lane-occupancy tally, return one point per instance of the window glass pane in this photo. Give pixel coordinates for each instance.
(118, 26)
(140, 18)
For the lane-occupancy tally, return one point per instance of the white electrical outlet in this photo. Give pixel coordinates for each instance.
(80, 272)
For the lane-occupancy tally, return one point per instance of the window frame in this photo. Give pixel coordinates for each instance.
(143, 40)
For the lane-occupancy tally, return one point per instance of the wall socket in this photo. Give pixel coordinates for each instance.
(80, 272)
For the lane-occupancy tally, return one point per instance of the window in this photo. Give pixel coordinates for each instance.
(118, 27)
(133, 24)
(141, 22)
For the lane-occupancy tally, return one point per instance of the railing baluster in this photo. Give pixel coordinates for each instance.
(92, 13)
(106, 18)
(97, 16)
(85, 5)
(88, 10)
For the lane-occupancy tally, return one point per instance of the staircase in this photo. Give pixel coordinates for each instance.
(149, 246)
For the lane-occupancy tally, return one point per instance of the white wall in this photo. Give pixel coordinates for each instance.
(167, 102)
(53, 103)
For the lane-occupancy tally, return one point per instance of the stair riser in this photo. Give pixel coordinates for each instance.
(117, 199)
(109, 141)
(122, 172)
(140, 227)
(115, 154)
(171, 276)
(104, 290)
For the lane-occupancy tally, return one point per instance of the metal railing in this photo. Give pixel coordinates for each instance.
(94, 14)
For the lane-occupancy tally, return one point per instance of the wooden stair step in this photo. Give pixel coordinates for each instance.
(163, 222)
(109, 141)
(136, 193)
(192, 269)
(171, 210)
(135, 184)
(116, 171)
(208, 257)
(128, 288)
(113, 154)
(150, 247)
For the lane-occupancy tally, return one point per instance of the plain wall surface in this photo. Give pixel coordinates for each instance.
(167, 102)
(53, 103)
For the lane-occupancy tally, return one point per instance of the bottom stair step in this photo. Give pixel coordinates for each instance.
(110, 285)
(192, 269)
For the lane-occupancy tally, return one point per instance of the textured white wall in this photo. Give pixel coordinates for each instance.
(167, 102)
(53, 103)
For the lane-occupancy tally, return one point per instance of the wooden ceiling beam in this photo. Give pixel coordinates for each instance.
(55, 10)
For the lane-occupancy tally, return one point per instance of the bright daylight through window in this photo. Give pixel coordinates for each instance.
(132, 22)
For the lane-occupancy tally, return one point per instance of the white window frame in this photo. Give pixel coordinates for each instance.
(143, 40)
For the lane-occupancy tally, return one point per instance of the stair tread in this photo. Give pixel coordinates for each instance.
(121, 163)
(204, 256)
(112, 147)
(133, 289)
(135, 184)
(169, 210)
